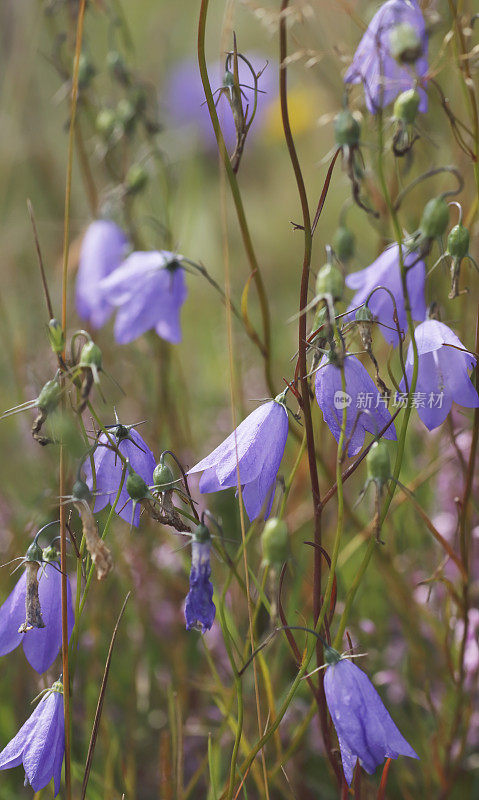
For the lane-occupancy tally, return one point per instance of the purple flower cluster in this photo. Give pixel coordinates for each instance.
(147, 288)
(40, 743)
(254, 451)
(332, 399)
(377, 66)
(40, 645)
(364, 727)
(110, 471)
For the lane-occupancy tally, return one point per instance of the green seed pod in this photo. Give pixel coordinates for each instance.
(34, 552)
(363, 314)
(80, 491)
(136, 179)
(378, 463)
(91, 356)
(105, 122)
(458, 242)
(346, 129)
(50, 554)
(163, 477)
(56, 336)
(331, 656)
(405, 44)
(330, 280)
(125, 114)
(86, 72)
(343, 243)
(434, 218)
(49, 396)
(201, 533)
(136, 486)
(274, 542)
(406, 106)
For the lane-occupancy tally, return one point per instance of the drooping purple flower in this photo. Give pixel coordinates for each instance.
(109, 469)
(365, 407)
(148, 290)
(185, 98)
(103, 249)
(364, 727)
(386, 271)
(199, 607)
(256, 447)
(41, 645)
(442, 373)
(373, 65)
(40, 743)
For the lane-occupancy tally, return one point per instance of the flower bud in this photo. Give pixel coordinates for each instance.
(136, 179)
(34, 552)
(49, 396)
(406, 106)
(343, 243)
(56, 336)
(201, 533)
(458, 242)
(330, 280)
(105, 122)
(163, 477)
(125, 114)
(80, 491)
(228, 80)
(91, 356)
(434, 218)
(378, 463)
(346, 129)
(136, 486)
(50, 554)
(405, 44)
(274, 542)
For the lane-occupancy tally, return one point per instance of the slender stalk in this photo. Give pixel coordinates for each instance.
(63, 533)
(303, 371)
(265, 345)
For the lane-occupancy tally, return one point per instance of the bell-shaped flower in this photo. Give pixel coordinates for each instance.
(256, 448)
(40, 645)
(365, 406)
(442, 373)
(111, 471)
(40, 743)
(386, 271)
(199, 607)
(364, 727)
(103, 249)
(391, 55)
(148, 290)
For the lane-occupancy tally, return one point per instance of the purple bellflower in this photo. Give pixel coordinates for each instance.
(109, 469)
(148, 290)
(366, 410)
(374, 65)
(442, 373)
(256, 447)
(199, 607)
(386, 271)
(364, 727)
(40, 743)
(40, 645)
(103, 249)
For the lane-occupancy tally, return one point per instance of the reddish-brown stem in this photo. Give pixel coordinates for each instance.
(306, 406)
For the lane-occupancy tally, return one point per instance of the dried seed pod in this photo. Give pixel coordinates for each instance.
(33, 611)
(99, 552)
